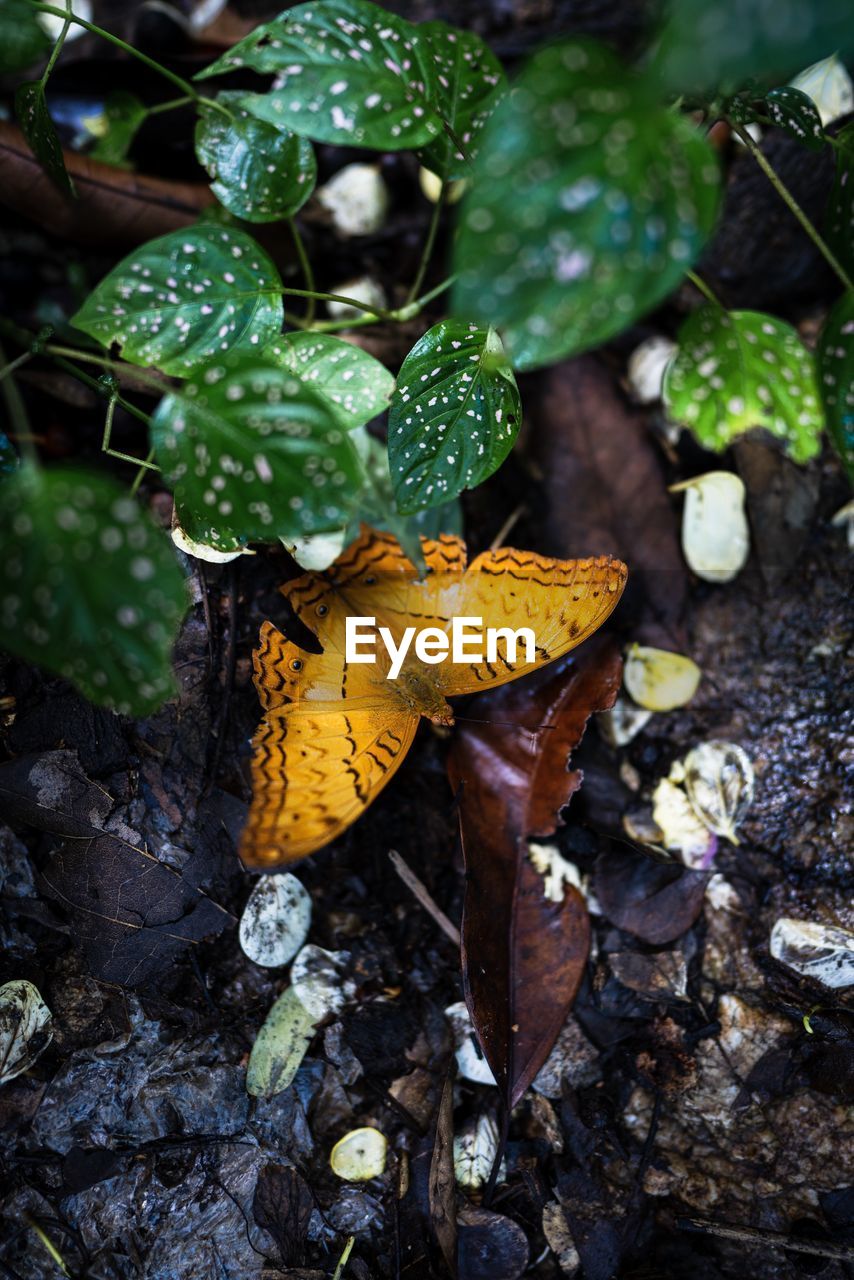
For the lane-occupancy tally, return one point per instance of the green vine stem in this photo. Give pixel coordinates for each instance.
(106, 446)
(786, 195)
(430, 241)
(705, 289)
(308, 273)
(18, 419)
(60, 41)
(184, 85)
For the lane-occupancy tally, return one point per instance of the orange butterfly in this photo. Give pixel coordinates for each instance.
(334, 732)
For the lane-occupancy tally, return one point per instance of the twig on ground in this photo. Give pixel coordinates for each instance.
(421, 892)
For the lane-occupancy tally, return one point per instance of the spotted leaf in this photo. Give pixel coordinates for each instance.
(839, 217)
(787, 108)
(259, 172)
(186, 298)
(589, 201)
(795, 113)
(472, 83)
(253, 453)
(346, 71)
(454, 415)
(357, 386)
(718, 44)
(39, 131)
(835, 359)
(22, 39)
(735, 370)
(90, 588)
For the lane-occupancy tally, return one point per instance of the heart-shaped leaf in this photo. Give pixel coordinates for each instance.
(719, 45)
(472, 81)
(23, 40)
(123, 115)
(259, 172)
(90, 588)
(346, 71)
(186, 298)
(255, 454)
(835, 358)
(839, 217)
(589, 201)
(740, 369)
(39, 131)
(454, 415)
(357, 386)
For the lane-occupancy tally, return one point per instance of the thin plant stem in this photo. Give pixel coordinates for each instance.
(406, 312)
(107, 448)
(17, 409)
(438, 289)
(60, 41)
(381, 313)
(785, 194)
(171, 105)
(16, 364)
(58, 355)
(306, 268)
(333, 326)
(427, 251)
(143, 467)
(180, 83)
(705, 290)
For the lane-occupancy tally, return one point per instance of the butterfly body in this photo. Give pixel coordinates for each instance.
(334, 731)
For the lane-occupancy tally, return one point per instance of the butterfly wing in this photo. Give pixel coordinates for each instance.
(316, 767)
(561, 601)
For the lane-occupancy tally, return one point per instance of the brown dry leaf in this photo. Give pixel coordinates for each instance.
(655, 901)
(605, 492)
(113, 207)
(523, 955)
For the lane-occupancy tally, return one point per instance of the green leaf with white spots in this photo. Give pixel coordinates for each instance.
(839, 216)
(259, 172)
(472, 83)
(796, 114)
(835, 359)
(123, 116)
(254, 454)
(740, 369)
(346, 71)
(186, 298)
(357, 386)
(787, 108)
(588, 203)
(90, 587)
(23, 40)
(454, 415)
(718, 44)
(40, 133)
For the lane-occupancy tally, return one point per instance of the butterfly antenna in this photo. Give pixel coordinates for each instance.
(506, 724)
